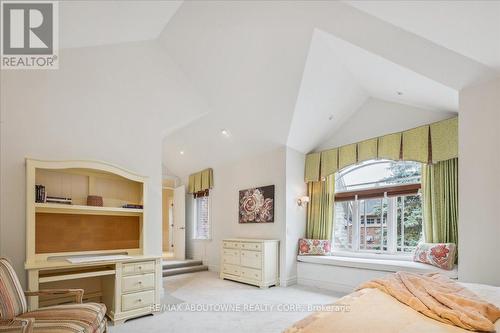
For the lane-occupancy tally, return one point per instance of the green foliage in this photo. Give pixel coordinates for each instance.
(410, 206)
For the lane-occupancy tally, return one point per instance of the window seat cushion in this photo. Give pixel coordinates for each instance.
(386, 265)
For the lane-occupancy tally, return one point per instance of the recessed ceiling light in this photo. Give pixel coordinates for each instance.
(400, 93)
(181, 152)
(225, 132)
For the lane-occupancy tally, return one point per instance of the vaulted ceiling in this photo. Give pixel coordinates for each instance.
(292, 73)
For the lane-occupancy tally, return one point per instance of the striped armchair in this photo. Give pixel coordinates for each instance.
(72, 318)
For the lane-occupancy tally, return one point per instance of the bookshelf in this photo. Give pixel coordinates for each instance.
(80, 227)
(56, 231)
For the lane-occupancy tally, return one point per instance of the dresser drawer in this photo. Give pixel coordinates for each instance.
(251, 246)
(138, 268)
(138, 300)
(230, 256)
(252, 274)
(230, 245)
(138, 282)
(231, 269)
(251, 259)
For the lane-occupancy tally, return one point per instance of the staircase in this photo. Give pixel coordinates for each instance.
(175, 267)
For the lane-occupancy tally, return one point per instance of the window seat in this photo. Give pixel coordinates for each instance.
(385, 265)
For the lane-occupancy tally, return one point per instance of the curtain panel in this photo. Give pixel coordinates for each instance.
(440, 199)
(320, 208)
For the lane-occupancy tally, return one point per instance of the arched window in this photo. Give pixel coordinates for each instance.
(378, 207)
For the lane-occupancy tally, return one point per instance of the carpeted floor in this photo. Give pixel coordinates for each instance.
(198, 298)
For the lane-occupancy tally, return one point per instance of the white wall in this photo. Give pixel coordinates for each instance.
(104, 103)
(264, 169)
(479, 181)
(283, 167)
(295, 216)
(377, 117)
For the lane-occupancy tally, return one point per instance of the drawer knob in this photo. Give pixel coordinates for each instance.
(140, 282)
(140, 299)
(139, 267)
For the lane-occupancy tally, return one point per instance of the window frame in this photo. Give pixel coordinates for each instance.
(388, 221)
(195, 235)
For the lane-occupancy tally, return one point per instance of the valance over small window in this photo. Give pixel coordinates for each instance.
(201, 182)
(427, 144)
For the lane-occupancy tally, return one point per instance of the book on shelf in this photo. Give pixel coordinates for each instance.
(58, 200)
(132, 206)
(40, 193)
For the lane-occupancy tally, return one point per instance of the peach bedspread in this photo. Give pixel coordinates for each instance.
(406, 302)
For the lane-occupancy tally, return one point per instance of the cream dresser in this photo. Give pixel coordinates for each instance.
(252, 261)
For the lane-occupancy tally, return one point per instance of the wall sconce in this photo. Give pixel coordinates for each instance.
(302, 201)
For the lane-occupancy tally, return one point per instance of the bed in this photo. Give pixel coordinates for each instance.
(372, 310)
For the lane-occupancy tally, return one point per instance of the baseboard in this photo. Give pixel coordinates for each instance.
(289, 282)
(339, 287)
(213, 268)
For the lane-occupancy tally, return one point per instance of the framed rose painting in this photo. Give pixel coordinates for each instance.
(257, 205)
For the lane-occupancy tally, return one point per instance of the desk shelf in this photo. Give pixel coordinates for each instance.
(90, 210)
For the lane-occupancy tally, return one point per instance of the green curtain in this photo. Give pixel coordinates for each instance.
(440, 194)
(320, 208)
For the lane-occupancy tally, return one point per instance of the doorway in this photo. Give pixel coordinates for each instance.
(167, 222)
(174, 222)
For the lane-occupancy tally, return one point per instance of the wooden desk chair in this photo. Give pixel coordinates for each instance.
(70, 318)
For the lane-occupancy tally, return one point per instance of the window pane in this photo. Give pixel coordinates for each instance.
(202, 230)
(373, 233)
(343, 225)
(377, 173)
(409, 218)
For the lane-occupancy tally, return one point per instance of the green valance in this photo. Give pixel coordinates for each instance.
(389, 146)
(426, 144)
(368, 150)
(347, 155)
(312, 167)
(329, 162)
(201, 181)
(444, 140)
(416, 144)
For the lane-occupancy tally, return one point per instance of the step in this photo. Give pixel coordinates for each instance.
(184, 270)
(168, 264)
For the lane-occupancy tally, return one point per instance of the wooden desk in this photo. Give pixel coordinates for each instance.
(129, 287)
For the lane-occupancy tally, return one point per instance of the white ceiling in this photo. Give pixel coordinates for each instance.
(273, 72)
(471, 28)
(95, 23)
(339, 77)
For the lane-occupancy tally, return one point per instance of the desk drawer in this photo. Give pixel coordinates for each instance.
(251, 259)
(231, 245)
(252, 274)
(138, 282)
(138, 267)
(138, 300)
(251, 246)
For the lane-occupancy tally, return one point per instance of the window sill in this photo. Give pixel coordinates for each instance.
(386, 265)
(373, 255)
